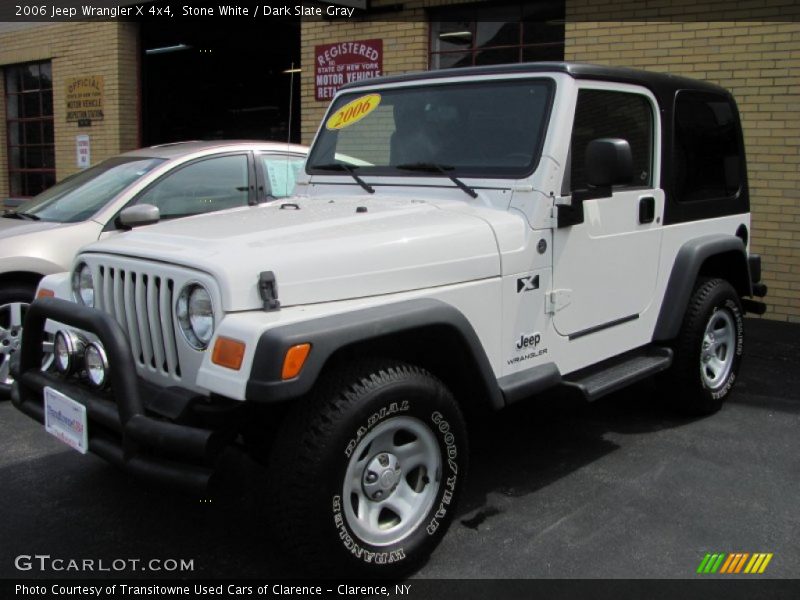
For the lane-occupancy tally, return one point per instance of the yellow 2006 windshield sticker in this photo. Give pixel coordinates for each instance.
(353, 112)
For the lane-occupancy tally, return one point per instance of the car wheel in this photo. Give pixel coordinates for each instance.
(14, 301)
(15, 298)
(367, 471)
(708, 350)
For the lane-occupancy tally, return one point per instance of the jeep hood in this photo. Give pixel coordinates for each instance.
(322, 249)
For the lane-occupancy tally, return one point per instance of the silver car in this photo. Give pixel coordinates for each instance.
(136, 188)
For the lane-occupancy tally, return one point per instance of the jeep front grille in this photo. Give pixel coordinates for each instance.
(142, 304)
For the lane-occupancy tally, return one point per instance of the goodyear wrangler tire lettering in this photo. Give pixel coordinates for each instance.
(733, 309)
(451, 480)
(449, 440)
(379, 558)
(368, 469)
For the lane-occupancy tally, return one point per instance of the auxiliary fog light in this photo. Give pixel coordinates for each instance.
(96, 364)
(68, 351)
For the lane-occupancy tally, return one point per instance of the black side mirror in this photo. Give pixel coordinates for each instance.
(139, 214)
(608, 162)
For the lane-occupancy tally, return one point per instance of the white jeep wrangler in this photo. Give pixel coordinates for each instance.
(463, 239)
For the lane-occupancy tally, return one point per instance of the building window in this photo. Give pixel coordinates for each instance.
(490, 35)
(29, 121)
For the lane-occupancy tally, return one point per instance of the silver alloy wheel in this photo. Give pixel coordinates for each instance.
(12, 316)
(392, 480)
(718, 350)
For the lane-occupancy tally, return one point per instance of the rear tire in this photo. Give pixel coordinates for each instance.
(708, 349)
(366, 472)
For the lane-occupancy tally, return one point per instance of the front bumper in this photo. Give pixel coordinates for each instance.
(161, 439)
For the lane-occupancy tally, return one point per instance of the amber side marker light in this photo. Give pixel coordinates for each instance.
(295, 359)
(228, 353)
(45, 293)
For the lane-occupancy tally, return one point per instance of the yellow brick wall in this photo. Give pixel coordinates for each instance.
(76, 49)
(756, 57)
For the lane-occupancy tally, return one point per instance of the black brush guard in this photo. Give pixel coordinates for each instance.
(120, 431)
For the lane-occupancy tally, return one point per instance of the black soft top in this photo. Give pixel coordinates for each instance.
(662, 85)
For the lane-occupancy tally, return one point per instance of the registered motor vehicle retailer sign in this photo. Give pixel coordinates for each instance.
(343, 62)
(84, 97)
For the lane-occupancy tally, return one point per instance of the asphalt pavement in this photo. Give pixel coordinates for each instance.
(621, 488)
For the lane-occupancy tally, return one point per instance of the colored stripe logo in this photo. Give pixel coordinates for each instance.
(735, 563)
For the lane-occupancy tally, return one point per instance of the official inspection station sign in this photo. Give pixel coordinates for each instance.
(84, 97)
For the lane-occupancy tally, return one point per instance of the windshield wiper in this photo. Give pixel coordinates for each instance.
(22, 216)
(437, 168)
(347, 169)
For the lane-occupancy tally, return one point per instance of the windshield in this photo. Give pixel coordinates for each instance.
(79, 196)
(478, 129)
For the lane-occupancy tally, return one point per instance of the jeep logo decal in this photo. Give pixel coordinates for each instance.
(529, 341)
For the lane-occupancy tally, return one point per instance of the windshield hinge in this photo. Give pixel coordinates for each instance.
(268, 290)
(552, 220)
(555, 300)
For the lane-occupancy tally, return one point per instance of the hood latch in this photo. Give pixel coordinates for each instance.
(268, 290)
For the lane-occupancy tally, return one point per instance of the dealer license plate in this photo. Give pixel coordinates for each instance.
(66, 419)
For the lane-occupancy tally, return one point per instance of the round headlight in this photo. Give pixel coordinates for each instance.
(82, 284)
(67, 351)
(195, 315)
(96, 364)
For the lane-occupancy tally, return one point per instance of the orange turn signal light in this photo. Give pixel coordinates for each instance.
(45, 293)
(295, 359)
(228, 353)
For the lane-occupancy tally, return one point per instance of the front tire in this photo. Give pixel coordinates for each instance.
(14, 301)
(708, 350)
(365, 474)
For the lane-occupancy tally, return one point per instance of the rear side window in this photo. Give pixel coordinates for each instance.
(281, 171)
(707, 151)
(609, 114)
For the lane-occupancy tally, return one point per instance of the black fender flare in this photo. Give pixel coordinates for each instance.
(327, 335)
(687, 266)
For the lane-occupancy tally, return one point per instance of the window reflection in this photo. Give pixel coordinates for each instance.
(486, 35)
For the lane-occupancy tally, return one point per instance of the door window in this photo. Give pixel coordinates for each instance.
(610, 114)
(203, 186)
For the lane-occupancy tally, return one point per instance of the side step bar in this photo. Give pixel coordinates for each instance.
(616, 373)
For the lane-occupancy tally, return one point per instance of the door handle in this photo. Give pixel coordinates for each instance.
(647, 210)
